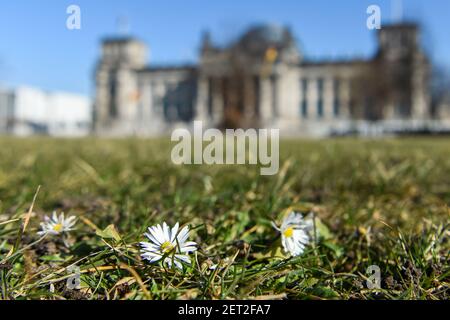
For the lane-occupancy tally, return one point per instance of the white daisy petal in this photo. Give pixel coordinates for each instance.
(159, 235)
(71, 220)
(178, 264)
(174, 232)
(155, 233)
(166, 231)
(151, 258)
(168, 262)
(152, 237)
(183, 258)
(149, 246)
(182, 236)
(188, 249)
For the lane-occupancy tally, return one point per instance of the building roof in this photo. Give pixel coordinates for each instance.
(185, 67)
(119, 39)
(401, 25)
(331, 62)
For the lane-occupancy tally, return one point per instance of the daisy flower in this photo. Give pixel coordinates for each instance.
(57, 225)
(295, 233)
(168, 245)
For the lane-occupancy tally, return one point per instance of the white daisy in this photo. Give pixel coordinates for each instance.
(295, 233)
(168, 244)
(57, 225)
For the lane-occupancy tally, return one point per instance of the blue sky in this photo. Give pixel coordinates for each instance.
(36, 48)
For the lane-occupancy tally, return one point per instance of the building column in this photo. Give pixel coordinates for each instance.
(419, 95)
(102, 100)
(265, 94)
(344, 99)
(145, 112)
(217, 100)
(201, 109)
(328, 99)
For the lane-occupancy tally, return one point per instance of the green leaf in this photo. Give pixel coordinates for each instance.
(110, 232)
(322, 230)
(275, 251)
(324, 292)
(53, 258)
(337, 250)
(310, 282)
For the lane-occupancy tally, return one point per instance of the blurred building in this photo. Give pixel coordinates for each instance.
(27, 111)
(263, 80)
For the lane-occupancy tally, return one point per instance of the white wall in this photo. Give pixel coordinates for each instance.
(69, 114)
(30, 105)
(54, 113)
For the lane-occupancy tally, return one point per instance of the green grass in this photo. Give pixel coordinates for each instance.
(377, 203)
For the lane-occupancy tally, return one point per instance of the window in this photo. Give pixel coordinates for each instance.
(305, 108)
(113, 112)
(304, 101)
(210, 96)
(257, 92)
(320, 84)
(320, 108)
(273, 83)
(336, 100)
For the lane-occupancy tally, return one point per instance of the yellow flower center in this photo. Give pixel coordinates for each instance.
(167, 247)
(289, 232)
(57, 227)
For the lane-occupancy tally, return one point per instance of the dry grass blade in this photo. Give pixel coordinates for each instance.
(30, 211)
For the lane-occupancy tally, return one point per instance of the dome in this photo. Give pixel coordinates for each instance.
(258, 39)
(271, 34)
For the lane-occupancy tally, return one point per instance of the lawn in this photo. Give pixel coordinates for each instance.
(375, 202)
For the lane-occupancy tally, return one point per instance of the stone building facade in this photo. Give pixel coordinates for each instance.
(263, 81)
